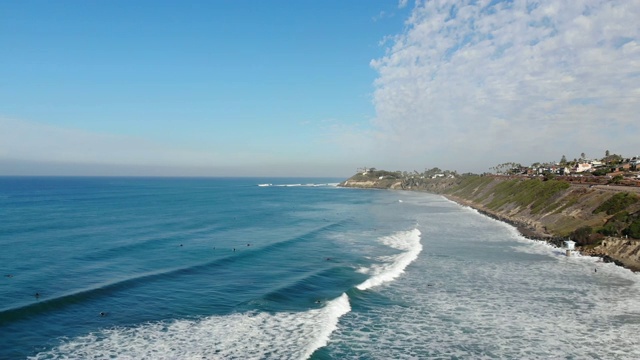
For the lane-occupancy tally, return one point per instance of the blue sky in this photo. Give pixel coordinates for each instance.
(244, 86)
(311, 88)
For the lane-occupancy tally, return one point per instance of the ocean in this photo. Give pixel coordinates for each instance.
(248, 268)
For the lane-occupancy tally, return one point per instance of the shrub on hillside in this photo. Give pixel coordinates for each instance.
(615, 225)
(610, 230)
(616, 203)
(633, 230)
(581, 235)
(594, 239)
(585, 236)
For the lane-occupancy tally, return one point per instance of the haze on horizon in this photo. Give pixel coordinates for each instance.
(255, 88)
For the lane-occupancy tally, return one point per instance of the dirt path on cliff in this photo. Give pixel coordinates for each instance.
(616, 188)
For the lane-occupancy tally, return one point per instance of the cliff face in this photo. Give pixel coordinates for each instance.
(625, 252)
(373, 183)
(548, 210)
(389, 180)
(552, 210)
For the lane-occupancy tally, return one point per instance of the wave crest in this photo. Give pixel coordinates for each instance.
(237, 336)
(393, 266)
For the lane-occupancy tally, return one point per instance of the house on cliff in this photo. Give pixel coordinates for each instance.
(582, 167)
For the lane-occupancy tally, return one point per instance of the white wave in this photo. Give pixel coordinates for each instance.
(263, 185)
(541, 247)
(307, 185)
(236, 336)
(393, 266)
(328, 184)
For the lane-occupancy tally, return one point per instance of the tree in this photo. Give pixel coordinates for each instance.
(607, 153)
(581, 235)
(432, 171)
(583, 156)
(563, 160)
(617, 179)
(634, 229)
(601, 172)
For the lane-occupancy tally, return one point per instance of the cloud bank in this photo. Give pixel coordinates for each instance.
(31, 141)
(31, 148)
(470, 84)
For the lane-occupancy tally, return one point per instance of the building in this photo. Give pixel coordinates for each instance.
(582, 167)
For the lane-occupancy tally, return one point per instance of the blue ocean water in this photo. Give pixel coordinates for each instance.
(226, 268)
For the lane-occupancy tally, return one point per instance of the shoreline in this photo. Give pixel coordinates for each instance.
(620, 251)
(535, 232)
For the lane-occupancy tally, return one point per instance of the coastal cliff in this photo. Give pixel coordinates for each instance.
(599, 218)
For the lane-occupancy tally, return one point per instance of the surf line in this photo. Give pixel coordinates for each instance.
(210, 337)
(409, 242)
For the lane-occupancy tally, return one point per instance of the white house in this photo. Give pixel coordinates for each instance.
(582, 167)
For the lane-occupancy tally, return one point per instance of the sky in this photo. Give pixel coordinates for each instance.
(313, 88)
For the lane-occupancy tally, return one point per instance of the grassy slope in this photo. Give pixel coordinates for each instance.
(557, 206)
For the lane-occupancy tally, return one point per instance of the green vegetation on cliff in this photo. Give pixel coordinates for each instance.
(634, 227)
(617, 203)
(535, 194)
(562, 209)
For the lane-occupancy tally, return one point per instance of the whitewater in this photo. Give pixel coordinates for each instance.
(243, 268)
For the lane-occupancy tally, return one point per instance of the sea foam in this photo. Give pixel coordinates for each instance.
(393, 266)
(255, 335)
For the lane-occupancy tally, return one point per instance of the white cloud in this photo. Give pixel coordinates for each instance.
(471, 84)
(380, 16)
